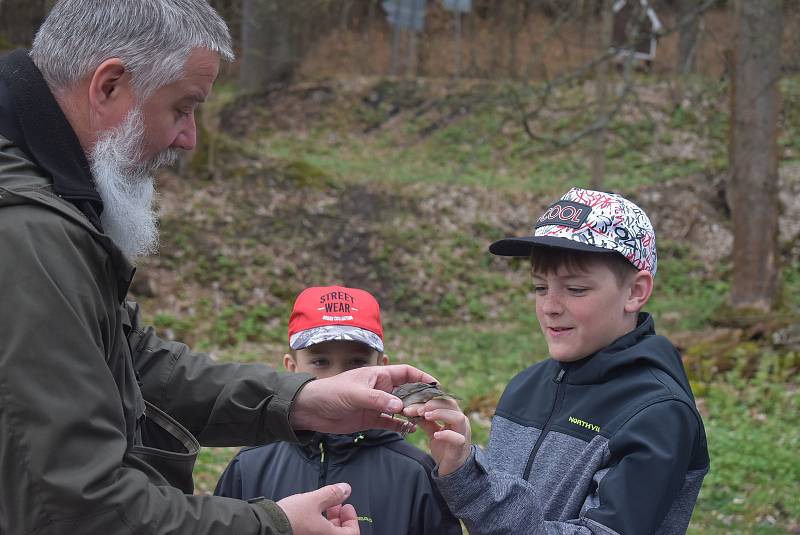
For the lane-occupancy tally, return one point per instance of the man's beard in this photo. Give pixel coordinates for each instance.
(127, 186)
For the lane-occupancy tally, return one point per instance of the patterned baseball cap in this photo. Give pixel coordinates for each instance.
(594, 221)
(324, 313)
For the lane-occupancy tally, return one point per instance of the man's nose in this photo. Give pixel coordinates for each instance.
(187, 137)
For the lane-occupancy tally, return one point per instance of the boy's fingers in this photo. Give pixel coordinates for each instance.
(418, 409)
(447, 416)
(451, 438)
(440, 404)
(430, 427)
(412, 411)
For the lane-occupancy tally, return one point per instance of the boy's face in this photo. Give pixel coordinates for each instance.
(327, 359)
(581, 312)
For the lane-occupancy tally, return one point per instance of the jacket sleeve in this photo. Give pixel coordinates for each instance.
(62, 427)
(230, 482)
(648, 462)
(221, 404)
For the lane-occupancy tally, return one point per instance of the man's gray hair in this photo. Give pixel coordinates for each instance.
(153, 38)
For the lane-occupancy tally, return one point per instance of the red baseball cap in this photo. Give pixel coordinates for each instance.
(323, 313)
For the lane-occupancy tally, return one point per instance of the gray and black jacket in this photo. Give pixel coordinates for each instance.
(610, 444)
(393, 490)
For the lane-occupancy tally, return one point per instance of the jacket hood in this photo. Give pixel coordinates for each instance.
(342, 447)
(639, 348)
(43, 162)
(32, 119)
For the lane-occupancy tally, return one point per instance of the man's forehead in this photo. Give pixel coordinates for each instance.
(199, 74)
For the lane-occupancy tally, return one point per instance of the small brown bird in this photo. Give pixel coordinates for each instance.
(412, 393)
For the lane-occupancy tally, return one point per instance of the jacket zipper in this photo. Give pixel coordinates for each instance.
(557, 379)
(323, 465)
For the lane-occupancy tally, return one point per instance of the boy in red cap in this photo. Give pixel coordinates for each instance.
(333, 329)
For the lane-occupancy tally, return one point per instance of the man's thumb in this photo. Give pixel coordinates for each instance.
(327, 497)
(377, 400)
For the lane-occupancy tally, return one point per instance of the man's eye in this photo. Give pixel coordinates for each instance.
(319, 363)
(359, 363)
(576, 290)
(540, 290)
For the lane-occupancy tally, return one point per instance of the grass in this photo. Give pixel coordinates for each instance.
(479, 141)
(753, 440)
(473, 326)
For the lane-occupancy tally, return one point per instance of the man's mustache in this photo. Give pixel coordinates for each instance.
(163, 159)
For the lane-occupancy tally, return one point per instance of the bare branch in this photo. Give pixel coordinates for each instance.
(545, 90)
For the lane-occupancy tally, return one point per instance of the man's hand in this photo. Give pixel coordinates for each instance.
(304, 512)
(354, 400)
(450, 443)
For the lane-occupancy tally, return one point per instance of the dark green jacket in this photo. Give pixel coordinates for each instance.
(98, 416)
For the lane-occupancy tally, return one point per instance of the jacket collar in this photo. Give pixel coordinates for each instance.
(637, 345)
(639, 349)
(345, 446)
(31, 118)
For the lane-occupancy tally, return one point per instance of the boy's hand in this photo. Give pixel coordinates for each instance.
(451, 441)
(304, 512)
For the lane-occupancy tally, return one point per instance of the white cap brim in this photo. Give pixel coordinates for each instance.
(326, 333)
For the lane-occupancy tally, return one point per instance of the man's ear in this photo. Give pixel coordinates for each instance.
(640, 289)
(111, 94)
(289, 363)
(383, 360)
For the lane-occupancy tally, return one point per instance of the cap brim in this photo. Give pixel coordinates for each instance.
(327, 333)
(524, 246)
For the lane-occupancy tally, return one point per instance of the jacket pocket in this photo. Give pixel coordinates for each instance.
(167, 447)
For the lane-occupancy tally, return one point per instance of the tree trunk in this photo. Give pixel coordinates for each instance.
(266, 51)
(457, 43)
(472, 33)
(412, 56)
(687, 36)
(367, 57)
(513, 24)
(598, 160)
(395, 59)
(753, 153)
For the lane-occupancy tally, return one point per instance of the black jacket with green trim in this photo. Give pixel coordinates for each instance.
(393, 492)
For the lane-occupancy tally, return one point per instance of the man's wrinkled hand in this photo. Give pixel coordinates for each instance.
(354, 400)
(304, 512)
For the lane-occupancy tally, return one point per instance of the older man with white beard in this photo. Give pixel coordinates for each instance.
(100, 420)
